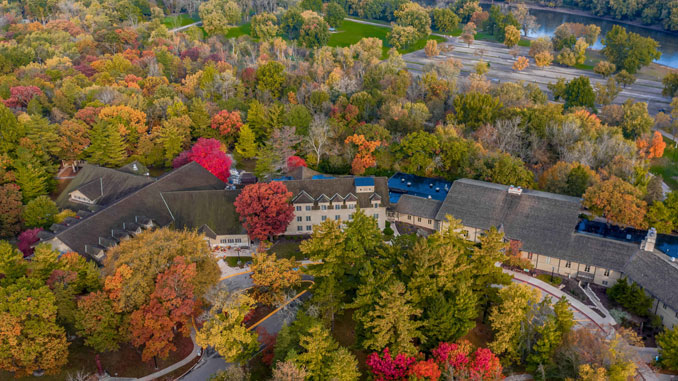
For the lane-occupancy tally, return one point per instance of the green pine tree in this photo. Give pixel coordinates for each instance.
(115, 153)
(549, 339)
(10, 130)
(246, 145)
(97, 146)
(31, 175)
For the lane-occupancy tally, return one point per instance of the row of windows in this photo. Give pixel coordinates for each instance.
(231, 240)
(324, 218)
(419, 219)
(308, 208)
(568, 265)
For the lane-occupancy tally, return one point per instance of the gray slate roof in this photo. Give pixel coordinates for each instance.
(91, 179)
(544, 222)
(211, 208)
(656, 275)
(146, 202)
(343, 186)
(418, 206)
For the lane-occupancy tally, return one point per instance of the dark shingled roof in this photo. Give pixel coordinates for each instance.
(135, 168)
(213, 208)
(418, 206)
(545, 223)
(90, 180)
(656, 275)
(302, 173)
(343, 186)
(146, 202)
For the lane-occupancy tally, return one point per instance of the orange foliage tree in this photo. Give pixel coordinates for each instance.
(653, 149)
(131, 122)
(364, 158)
(617, 201)
(521, 64)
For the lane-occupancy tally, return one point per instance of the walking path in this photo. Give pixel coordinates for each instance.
(179, 29)
(605, 324)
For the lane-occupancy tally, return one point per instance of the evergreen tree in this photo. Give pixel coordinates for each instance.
(549, 339)
(40, 212)
(31, 175)
(10, 130)
(246, 145)
(107, 146)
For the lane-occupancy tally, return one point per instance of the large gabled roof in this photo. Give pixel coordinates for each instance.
(656, 274)
(340, 186)
(105, 185)
(418, 206)
(211, 208)
(146, 202)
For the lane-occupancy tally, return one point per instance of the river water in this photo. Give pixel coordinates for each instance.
(550, 20)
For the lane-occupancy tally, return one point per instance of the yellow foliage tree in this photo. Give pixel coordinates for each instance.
(521, 64)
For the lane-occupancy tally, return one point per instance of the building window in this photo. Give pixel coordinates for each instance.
(308, 218)
(336, 217)
(409, 217)
(376, 216)
(238, 240)
(231, 240)
(604, 283)
(418, 219)
(548, 260)
(529, 256)
(568, 265)
(607, 273)
(308, 208)
(429, 222)
(299, 219)
(297, 208)
(300, 228)
(375, 205)
(223, 241)
(351, 206)
(309, 227)
(337, 206)
(587, 269)
(323, 218)
(350, 216)
(323, 207)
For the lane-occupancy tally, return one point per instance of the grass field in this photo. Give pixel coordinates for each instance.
(667, 166)
(239, 31)
(178, 20)
(351, 32)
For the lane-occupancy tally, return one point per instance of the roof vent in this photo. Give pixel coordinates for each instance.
(437, 189)
(650, 240)
(134, 166)
(430, 185)
(515, 190)
(402, 179)
(409, 184)
(628, 237)
(429, 197)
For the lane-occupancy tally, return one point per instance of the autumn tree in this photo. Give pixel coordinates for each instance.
(314, 32)
(170, 309)
(431, 48)
(511, 36)
(270, 77)
(219, 15)
(521, 63)
(670, 82)
(228, 123)
(210, 154)
(12, 264)
(402, 37)
(469, 33)
(225, 329)
(605, 68)
(10, 209)
(411, 14)
(507, 319)
(636, 120)
(98, 323)
(652, 149)
(334, 14)
(131, 268)
(444, 20)
(264, 26)
(364, 158)
(273, 277)
(265, 209)
(628, 50)
(30, 338)
(618, 201)
(543, 59)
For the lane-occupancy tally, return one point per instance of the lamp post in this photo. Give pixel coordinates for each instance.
(553, 269)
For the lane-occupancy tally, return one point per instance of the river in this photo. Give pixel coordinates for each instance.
(550, 20)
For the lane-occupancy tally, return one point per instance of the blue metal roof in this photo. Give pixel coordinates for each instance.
(284, 178)
(404, 183)
(667, 244)
(364, 181)
(321, 177)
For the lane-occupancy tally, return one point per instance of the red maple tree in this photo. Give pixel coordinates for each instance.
(21, 95)
(294, 162)
(170, 308)
(26, 239)
(264, 209)
(210, 154)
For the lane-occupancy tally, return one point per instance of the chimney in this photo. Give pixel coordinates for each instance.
(650, 240)
(515, 190)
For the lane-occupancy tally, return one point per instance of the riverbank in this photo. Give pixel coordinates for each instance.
(581, 12)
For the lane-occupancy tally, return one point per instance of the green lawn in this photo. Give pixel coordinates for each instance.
(667, 166)
(287, 248)
(239, 31)
(351, 32)
(235, 261)
(178, 20)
